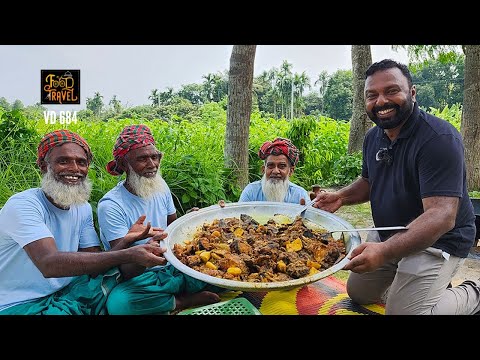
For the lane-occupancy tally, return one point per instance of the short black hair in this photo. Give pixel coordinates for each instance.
(389, 64)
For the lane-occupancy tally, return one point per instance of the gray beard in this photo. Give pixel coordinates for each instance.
(65, 195)
(145, 187)
(275, 190)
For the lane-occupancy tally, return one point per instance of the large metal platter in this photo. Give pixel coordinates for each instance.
(185, 227)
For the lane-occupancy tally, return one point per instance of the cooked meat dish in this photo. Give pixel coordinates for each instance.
(242, 249)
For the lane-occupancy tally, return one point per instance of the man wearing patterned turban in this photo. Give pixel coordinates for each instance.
(143, 193)
(280, 157)
(65, 182)
(50, 251)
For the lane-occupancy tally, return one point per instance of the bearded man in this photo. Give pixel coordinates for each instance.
(50, 254)
(144, 192)
(413, 174)
(280, 158)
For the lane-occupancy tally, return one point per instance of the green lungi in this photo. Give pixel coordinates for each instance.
(83, 296)
(153, 292)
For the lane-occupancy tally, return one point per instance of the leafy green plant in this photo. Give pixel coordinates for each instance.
(474, 194)
(330, 141)
(18, 147)
(193, 152)
(347, 169)
(15, 128)
(301, 133)
(452, 114)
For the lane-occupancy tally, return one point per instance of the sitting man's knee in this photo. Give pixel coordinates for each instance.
(360, 294)
(117, 303)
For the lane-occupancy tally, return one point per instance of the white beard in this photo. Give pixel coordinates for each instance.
(145, 187)
(275, 190)
(65, 195)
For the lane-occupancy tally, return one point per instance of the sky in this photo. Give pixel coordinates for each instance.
(131, 71)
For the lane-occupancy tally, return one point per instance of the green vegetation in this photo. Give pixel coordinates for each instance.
(193, 162)
(193, 147)
(452, 114)
(474, 194)
(18, 142)
(439, 82)
(189, 126)
(359, 215)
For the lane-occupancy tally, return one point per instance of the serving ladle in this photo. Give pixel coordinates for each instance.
(381, 228)
(301, 213)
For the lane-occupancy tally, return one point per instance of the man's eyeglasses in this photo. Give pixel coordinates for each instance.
(384, 155)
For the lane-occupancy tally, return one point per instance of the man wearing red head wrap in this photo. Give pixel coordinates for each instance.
(143, 193)
(280, 157)
(57, 138)
(132, 137)
(50, 251)
(280, 146)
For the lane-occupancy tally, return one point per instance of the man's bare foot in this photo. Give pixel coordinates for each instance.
(201, 298)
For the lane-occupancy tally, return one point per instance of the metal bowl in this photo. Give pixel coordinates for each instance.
(185, 227)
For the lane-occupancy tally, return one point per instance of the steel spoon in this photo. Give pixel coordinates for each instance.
(367, 229)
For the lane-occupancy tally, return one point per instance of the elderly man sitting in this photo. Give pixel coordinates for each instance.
(280, 157)
(144, 192)
(50, 254)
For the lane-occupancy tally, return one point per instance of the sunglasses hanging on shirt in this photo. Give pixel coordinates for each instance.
(384, 155)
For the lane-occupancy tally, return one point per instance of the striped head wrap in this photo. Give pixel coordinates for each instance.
(280, 146)
(131, 137)
(60, 137)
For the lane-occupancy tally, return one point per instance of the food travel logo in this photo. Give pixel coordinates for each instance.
(60, 87)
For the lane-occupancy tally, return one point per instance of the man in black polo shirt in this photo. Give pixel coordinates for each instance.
(413, 174)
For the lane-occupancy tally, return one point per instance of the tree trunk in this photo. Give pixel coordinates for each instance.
(359, 123)
(240, 81)
(470, 127)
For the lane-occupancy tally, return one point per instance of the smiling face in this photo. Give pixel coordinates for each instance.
(145, 161)
(388, 98)
(143, 177)
(69, 163)
(64, 180)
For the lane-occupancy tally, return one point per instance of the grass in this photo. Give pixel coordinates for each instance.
(358, 215)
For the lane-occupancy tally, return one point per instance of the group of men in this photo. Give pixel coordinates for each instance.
(51, 261)
(413, 174)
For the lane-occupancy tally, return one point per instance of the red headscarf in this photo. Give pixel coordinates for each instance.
(131, 137)
(60, 137)
(280, 146)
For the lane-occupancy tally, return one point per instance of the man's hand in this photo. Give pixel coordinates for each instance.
(192, 209)
(366, 257)
(328, 201)
(138, 231)
(148, 255)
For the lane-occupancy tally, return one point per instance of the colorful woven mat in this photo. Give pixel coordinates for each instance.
(324, 297)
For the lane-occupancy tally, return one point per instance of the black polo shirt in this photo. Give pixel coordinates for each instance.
(426, 159)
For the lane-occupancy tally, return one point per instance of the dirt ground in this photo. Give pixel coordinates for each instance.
(470, 270)
(360, 216)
